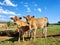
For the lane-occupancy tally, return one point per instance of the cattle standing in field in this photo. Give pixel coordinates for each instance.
(35, 23)
(22, 26)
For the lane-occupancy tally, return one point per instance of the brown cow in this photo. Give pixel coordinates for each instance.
(22, 26)
(35, 23)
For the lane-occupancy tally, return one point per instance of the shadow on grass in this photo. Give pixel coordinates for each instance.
(55, 35)
(15, 38)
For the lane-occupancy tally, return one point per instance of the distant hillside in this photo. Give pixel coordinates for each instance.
(3, 22)
(55, 24)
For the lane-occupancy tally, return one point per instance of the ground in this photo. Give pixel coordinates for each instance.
(53, 38)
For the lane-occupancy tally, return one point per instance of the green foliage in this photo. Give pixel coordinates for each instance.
(58, 21)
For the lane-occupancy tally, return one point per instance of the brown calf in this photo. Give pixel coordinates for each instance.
(22, 26)
(35, 23)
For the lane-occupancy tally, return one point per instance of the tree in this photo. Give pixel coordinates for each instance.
(58, 21)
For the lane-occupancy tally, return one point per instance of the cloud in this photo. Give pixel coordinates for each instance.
(28, 9)
(46, 9)
(33, 2)
(8, 3)
(1, 3)
(35, 5)
(11, 16)
(26, 5)
(39, 9)
(3, 18)
(0, 7)
(21, 2)
(2, 11)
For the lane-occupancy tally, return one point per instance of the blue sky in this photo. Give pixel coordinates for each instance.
(38, 8)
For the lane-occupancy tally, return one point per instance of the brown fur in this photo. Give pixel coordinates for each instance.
(37, 23)
(23, 26)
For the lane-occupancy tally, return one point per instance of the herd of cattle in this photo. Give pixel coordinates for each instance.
(30, 26)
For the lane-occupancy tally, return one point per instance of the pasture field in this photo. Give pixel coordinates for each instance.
(53, 38)
(9, 28)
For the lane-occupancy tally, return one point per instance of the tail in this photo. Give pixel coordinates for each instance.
(47, 21)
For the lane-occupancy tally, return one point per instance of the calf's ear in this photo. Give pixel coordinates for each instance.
(11, 18)
(32, 16)
(20, 17)
(24, 17)
(28, 15)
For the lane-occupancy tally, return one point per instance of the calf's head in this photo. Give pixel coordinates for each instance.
(28, 18)
(15, 19)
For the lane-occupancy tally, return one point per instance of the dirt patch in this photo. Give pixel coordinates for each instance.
(3, 38)
(38, 35)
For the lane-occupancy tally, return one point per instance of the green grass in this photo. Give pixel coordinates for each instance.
(52, 28)
(9, 43)
(39, 41)
(49, 28)
(9, 28)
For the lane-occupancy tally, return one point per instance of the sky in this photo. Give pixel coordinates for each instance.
(37, 8)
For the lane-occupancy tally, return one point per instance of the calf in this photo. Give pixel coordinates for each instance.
(22, 26)
(35, 23)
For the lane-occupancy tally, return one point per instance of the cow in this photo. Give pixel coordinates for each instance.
(35, 23)
(22, 26)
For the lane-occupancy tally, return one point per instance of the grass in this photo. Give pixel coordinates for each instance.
(52, 29)
(39, 41)
(9, 28)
